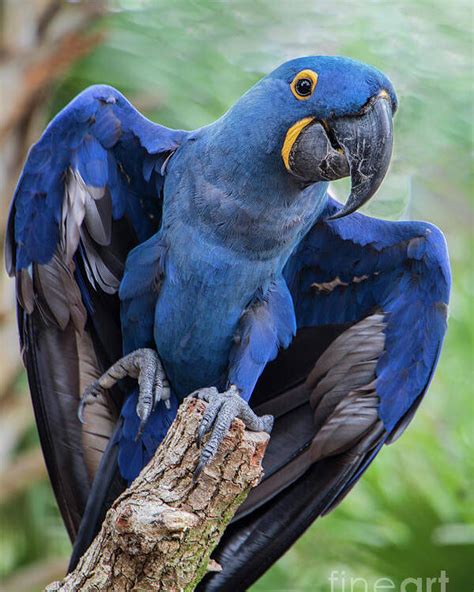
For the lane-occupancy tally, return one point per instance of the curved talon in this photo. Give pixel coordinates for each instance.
(91, 392)
(223, 408)
(162, 391)
(141, 427)
(203, 460)
(80, 411)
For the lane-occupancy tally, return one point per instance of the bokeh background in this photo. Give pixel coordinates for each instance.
(183, 63)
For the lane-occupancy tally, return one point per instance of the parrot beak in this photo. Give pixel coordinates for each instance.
(359, 146)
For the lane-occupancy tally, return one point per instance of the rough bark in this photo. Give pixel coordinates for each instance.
(160, 533)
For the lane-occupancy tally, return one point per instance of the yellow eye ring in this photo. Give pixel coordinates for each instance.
(303, 84)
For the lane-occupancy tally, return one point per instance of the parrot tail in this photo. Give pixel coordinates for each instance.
(107, 486)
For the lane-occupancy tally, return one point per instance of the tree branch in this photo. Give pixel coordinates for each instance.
(159, 534)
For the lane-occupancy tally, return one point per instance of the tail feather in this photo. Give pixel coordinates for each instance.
(106, 487)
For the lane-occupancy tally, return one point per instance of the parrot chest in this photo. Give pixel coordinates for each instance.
(201, 300)
(224, 246)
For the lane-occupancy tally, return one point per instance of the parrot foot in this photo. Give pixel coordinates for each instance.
(144, 365)
(223, 408)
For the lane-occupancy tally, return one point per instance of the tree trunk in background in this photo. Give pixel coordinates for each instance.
(39, 41)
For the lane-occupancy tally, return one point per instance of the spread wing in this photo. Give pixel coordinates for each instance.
(89, 192)
(371, 304)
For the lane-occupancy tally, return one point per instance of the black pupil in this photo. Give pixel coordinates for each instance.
(303, 87)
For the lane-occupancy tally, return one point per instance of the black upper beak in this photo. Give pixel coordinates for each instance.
(359, 146)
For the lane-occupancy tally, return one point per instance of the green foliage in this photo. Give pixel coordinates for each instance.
(184, 63)
(31, 529)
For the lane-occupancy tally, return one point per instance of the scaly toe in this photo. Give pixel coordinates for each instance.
(223, 408)
(267, 423)
(205, 394)
(209, 418)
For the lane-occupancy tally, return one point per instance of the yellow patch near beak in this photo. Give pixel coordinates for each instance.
(290, 138)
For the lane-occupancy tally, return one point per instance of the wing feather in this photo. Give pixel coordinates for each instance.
(89, 192)
(370, 299)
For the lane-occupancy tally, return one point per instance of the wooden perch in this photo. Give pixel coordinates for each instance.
(160, 533)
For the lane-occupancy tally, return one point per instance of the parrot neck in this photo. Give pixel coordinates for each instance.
(242, 201)
(247, 147)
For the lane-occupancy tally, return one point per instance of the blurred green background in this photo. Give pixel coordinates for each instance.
(183, 64)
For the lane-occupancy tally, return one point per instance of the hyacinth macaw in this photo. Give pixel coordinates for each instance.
(214, 262)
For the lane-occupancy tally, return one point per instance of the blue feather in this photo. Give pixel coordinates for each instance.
(267, 325)
(401, 268)
(242, 249)
(135, 453)
(96, 132)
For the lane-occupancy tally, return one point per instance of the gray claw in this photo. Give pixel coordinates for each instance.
(144, 365)
(165, 394)
(91, 392)
(223, 408)
(198, 470)
(141, 427)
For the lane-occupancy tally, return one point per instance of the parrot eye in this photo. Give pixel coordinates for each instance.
(303, 87)
(303, 84)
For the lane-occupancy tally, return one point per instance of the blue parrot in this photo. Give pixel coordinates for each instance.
(214, 262)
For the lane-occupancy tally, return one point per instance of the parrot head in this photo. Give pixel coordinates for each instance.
(344, 113)
(326, 118)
